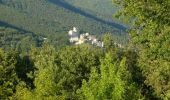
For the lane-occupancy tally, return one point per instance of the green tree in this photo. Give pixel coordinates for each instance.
(8, 75)
(150, 33)
(45, 86)
(43, 58)
(110, 82)
(58, 74)
(75, 63)
(110, 86)
(23, 92)
(109, 42)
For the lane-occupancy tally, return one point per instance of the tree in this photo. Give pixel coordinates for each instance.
(75, 63)
(44, 74)
(45, 85)
(57, 74)
(8, 76)
(109, 42)
(150, 34)
(110, 82)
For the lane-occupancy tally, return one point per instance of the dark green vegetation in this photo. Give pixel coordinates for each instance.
(138, 71)
(101, 8)
(46, 73)
(53, 20)
(11, 39)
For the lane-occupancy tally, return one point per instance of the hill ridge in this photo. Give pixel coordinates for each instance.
(67, 6)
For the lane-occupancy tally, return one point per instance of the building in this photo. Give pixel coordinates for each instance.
(74, 35)
(77, 39)
(75, 29)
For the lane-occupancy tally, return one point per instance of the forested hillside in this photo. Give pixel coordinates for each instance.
(139, 70)
(12, 39)
(53, 21)
(101, 8)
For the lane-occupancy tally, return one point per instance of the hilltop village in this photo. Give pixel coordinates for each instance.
(76, 38)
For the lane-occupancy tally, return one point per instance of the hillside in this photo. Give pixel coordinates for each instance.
(101, 8)
(12, 39)
(50, 20)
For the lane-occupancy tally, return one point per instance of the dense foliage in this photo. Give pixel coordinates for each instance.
(150, 34)
(69, 73)
(138, 71)
(12, 39)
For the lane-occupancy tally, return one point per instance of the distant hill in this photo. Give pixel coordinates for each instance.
(101, 8)
(12, 39)
(53, 19)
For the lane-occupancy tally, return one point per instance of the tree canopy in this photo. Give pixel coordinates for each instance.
(137, 71)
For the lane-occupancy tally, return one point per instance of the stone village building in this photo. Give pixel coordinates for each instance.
(77, 39)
